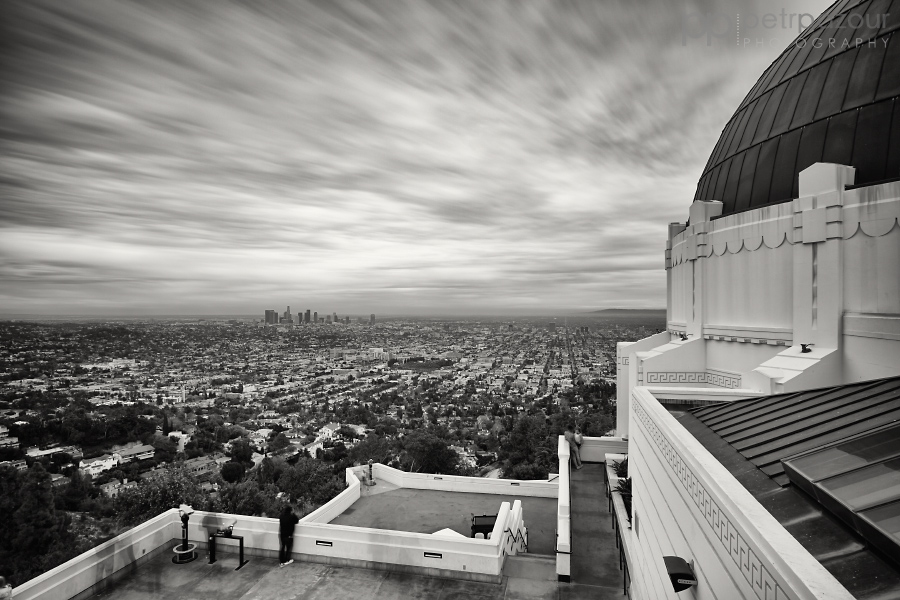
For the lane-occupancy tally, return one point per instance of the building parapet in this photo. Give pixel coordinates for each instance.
(739, 549)
(316, 540)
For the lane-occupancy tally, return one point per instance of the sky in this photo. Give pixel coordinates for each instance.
(387, 156)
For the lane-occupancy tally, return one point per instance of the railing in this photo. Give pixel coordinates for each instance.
(457, 483)
(87, 570)
(594, 449)
(623, 558)
(515, 532)
(620, 521)
(316, 540)
(679, 475)
(563, 515)
(518, 536)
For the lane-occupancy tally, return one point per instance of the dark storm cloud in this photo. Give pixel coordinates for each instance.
(389, 156)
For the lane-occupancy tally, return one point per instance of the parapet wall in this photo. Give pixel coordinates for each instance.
(315, 539)
(82, 576)
(455, 483)
(686, 504)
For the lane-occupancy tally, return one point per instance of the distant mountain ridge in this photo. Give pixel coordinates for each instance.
(630, 312)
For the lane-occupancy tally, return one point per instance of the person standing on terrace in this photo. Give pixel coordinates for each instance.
(286, 523)
(5, 589)
(574, 451)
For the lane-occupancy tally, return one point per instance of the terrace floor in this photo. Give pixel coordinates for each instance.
(427, 511)
(595, 557)
(595, 572)
(263, 579)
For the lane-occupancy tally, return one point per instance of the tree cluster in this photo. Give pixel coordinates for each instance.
(35, 536)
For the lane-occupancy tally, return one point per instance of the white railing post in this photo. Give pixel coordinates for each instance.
(563, 515)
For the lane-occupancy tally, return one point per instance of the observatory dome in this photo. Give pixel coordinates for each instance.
(831, 96)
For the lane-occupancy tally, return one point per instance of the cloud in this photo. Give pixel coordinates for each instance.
(352, 156)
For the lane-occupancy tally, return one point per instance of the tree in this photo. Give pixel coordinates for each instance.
(265, 472)
(232, 472)
(525, 471)
(336, 453)
(241, 451)
(279, 442)
(375, 448)
(347, 433)
(35, 516)
(528, 443)
(310, 481)
(165, 448)
(40, 539)
(246, 498)
(76, 491)
(425, 452)
(9, 528)
(167, 489)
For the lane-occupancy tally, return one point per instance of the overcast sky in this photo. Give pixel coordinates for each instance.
(393, 157)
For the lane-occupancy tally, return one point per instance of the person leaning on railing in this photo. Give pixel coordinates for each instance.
(574, 451)
(286, 523)
(5, 589)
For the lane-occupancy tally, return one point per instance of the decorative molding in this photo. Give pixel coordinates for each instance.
(657, 377)
(723, 379)
(745, 340)
(880, 326)
(873, 211)
(763, 334)
(745, 558)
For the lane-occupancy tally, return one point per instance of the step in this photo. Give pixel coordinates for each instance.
(537, 567)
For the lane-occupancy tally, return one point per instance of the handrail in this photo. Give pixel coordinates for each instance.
(516, 536)
(620, 544)
(558, 551)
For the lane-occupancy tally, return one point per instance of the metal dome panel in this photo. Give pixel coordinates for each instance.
(819, 101)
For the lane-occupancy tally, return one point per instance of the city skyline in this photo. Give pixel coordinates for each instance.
(484, 158)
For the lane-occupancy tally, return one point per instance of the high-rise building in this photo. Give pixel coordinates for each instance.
(271, 317)
(306, 318)
(316, 317)
(328, 319)
(372, 319)
(286, 318)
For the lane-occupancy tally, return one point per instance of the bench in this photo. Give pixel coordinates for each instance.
(483, 524)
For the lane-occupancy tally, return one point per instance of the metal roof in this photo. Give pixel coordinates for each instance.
(772, 428)
(858, 480)
(842, 450)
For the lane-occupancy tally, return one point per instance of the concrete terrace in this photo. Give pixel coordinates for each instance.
(595, 560)
(263, 579)
(384, 506)
(595, 557)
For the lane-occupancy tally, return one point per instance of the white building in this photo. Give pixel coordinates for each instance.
(95, 466)
(180, 438)
(783, 307)
(7, 441)
(136, 452)
(329, 431)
